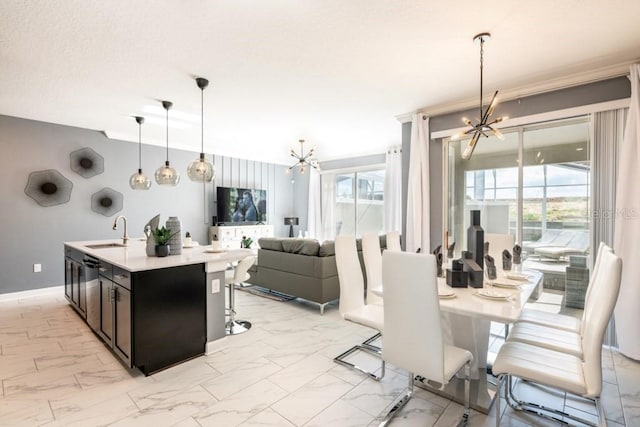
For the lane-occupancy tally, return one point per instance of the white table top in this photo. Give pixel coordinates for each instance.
(466, 302)
(133, 257)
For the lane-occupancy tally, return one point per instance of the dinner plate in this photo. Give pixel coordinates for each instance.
(506, 283)
(446, 294)
(516, 276)
(189, 246)
(213, 251)
(491, 294)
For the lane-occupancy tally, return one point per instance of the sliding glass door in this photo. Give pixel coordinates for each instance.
(534, 185)
(359, 202)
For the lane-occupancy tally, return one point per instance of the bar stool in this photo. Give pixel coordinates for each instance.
(233, 277)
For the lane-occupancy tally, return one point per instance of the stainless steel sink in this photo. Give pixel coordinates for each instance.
(105, 245)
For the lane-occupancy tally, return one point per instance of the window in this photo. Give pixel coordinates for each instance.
(359, 201)
(542, 199)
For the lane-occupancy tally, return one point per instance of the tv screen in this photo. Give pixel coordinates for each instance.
(241, 205)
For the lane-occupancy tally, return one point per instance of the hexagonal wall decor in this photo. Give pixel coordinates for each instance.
(48, 188)
(86, 162)
(106, 201)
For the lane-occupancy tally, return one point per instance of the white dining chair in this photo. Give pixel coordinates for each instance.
(562, 321)
(372, 256)
(413, 336)
(558, 338)
(393, 241)
(352, 306)
(563, 371)
(232, 278)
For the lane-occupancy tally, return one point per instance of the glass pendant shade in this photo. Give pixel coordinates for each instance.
(166, 175)
(201, 170)
(138, 180)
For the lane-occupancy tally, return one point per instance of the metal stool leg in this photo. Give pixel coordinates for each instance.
(233, 326)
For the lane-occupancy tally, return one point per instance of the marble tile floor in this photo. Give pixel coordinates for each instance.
(55, 372)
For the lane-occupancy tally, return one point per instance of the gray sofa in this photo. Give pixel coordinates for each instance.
(302, 268)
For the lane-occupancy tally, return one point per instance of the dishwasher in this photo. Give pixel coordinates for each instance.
(91, 266)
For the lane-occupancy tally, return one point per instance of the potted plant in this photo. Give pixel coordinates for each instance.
(246, 242)
(162, 236)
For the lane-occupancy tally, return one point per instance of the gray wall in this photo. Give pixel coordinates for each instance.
(34, 234)
(592, 93)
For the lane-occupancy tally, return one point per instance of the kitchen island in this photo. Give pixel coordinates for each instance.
(153, 312)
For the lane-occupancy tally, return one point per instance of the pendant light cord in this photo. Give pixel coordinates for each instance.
(202, 120)
(140, 146)
(481, 61)
(167, 135)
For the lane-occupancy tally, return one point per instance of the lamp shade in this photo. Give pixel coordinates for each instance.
(200, 170)
(166, 175)
(291, 220)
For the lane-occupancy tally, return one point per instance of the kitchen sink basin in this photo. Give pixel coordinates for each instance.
(105, 245)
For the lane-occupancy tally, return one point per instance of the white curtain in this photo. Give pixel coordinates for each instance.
(393, 190)
(608, 131)
(627, 227)
(328, 182)
(314, 215)
(418, 193)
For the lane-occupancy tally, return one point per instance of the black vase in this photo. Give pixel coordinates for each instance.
(475, 238)
(162, 250)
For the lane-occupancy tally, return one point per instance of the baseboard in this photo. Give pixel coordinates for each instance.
(215, 346)
(12, 296)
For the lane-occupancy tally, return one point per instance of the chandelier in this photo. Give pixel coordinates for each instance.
(303, 159)
(484, 127)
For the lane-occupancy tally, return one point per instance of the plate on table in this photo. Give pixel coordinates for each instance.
(446, 294)
(516, 276)
(491, 294)
(193, 245)
(501, 282)
(214, 251)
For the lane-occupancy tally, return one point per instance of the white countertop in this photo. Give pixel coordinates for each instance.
(133, 257)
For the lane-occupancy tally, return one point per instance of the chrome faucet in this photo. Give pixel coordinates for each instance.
(125, 238)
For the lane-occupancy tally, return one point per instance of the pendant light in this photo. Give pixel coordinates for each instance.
(201, 170)
(166, 175)
(138, 180)
(302, 160)
(484, 126)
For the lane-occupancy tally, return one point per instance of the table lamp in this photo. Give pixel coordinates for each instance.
(290, 221)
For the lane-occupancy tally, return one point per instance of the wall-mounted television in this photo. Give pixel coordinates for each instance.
(239, 206)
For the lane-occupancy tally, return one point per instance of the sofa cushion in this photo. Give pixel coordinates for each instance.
(301, 246)
(319, 267)
(270, 243)
(328, 248)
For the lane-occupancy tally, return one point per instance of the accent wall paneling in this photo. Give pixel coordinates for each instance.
(243, 173)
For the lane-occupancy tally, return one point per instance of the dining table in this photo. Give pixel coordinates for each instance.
(466, 316)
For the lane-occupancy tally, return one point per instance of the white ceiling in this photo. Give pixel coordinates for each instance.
(333, 72)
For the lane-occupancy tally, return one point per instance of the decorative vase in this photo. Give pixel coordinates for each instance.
(173, 225)
(475, 238)
(151, 245)
(162, 250)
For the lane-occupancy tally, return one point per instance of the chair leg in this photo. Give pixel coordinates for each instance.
(367, 348)
(394, 407)
(467, 385)
(498, 410)
(548, 413)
